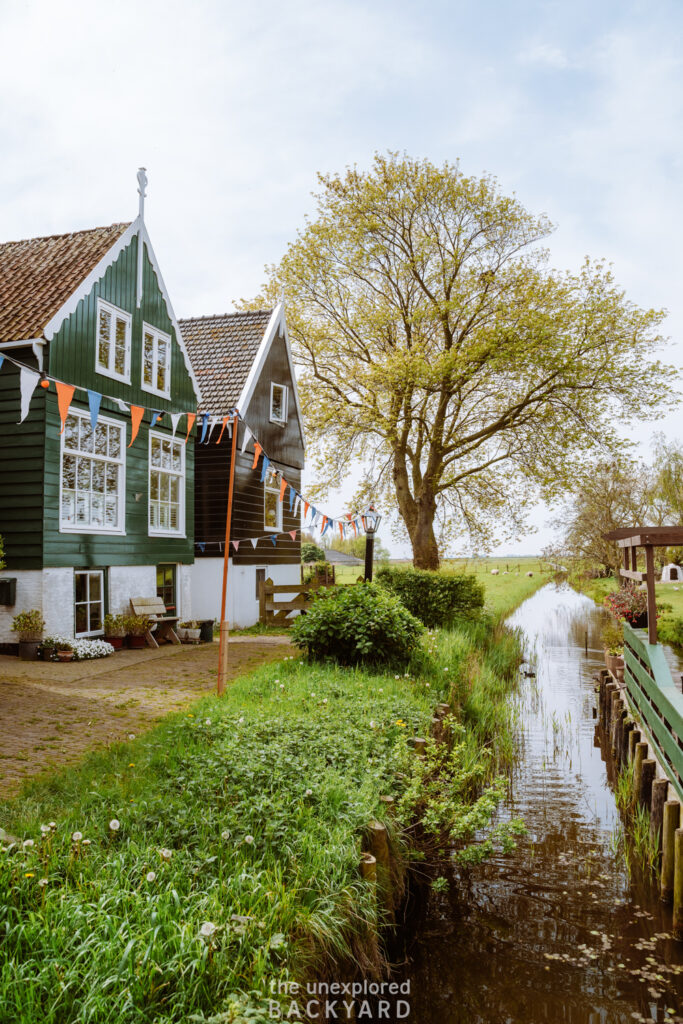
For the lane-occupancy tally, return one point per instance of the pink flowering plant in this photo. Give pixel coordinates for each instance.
(629, 603)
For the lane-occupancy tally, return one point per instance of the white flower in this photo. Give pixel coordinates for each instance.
(27, 844)
(42, 882)
(240, 720)
(277, 680)
(445, 668)
(282, 686)
(76, 836)
(86, 842)
(225, 834)
(249, 839)
(207, 929)
(372, 723)
(150, 876)
(52, 824)
(324, 700)
(165, 854)
(309, 792)
(381, 690)
(207, 721)
(312, 695)
(114, 824)
(131, 735)
(397, 677)
(44, 829)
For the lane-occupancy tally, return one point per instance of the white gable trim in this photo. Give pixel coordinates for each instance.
(171, 314)
(277, 319)
(87, 285)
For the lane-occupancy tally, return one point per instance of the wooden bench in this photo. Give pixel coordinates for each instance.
(155, 609)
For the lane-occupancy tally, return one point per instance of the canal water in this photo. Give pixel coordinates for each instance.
(556, 931)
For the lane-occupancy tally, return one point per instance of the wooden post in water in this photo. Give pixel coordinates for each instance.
(379, 845)
(629, 726)
(647, 777)
(678, 884)
(368, 867)
(671, 820)
(660, 788)
(641, 754)
(633, 741)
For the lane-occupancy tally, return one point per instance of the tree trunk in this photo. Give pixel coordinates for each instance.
(425, 549)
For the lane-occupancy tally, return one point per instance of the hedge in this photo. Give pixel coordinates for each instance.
(436, 598)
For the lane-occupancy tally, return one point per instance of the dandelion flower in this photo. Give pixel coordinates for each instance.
(165, 853)
(29, 874)
(249, 839)
(207, 929)
(76, 836)
(114, 824)
(42, 882)
(27, 844)
(150, 876)
(445, 668)
(132, 764)
(225, 834)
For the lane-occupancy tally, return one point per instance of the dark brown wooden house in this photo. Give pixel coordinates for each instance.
(244, 361)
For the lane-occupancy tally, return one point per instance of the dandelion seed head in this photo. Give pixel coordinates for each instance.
(42, 882)
(44, 829)
(76, 836)
(207, 929)
(150, 876)
(225, 834)
(309, 792)
(165, 853)
(27, 844)
(114, 825)
(249, 839)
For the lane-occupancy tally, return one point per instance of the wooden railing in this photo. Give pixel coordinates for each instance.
(656, 700)
(274, 612)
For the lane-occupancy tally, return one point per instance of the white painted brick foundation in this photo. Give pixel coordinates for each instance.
(242, 603)
(58, 601)
(29, 595)
(126, 581)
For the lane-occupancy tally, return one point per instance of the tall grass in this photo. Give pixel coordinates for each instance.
(235, 861)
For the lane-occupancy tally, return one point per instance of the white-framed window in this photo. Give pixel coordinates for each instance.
(113, 341)
(156, 361)
(272, 506)
(166, 485)
(89, 602)
(92, 475)
(278, 403)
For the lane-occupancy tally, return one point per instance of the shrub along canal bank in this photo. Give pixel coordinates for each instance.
(192, 874)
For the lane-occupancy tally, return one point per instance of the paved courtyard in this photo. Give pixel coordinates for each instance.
(52, 713)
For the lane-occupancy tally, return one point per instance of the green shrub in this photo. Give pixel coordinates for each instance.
(354, 624)
(670, 630)
(311, 552)
(436, 598)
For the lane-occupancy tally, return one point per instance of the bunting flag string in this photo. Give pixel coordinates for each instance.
(65, 393)
(136, 414)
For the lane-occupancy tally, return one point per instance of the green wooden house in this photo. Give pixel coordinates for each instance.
(89, 519)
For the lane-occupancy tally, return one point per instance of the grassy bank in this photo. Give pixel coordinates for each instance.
(177, 876)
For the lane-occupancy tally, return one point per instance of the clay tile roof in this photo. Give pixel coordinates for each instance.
(222, 350)
(38, 275)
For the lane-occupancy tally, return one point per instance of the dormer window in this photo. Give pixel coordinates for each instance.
(113, 341)
(278, 403)
(156, 361)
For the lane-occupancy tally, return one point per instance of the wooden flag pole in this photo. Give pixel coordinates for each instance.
(225, 625)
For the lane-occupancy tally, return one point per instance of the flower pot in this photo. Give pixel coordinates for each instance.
(47, 653)
(28, 649)
(65, 655)
(615, 664)
(115, 641)
(640, 622)
(192, 636)
(136, 642)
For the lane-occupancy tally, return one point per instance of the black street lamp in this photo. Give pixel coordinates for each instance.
(371, 521)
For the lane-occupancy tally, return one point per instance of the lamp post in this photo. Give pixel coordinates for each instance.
(371, 522)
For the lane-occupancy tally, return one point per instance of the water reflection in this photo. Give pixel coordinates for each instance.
(555, 931)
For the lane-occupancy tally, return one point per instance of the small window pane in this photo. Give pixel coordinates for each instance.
(162, 365)
(97, 510)
(86, 441)
(81, 617)
(111, 507)
(104, 330)
(95, 617)
(95, 586)
(81, 586)
(148, 359)
(112, 475)
(101, 439)
(156, 451)
(271, 510)
(114, 442)
(177, 458)
(83, 474)
(82, 508)
(120, 350)
(174, 482)
(71, 433)
(69, 471)
(98, 477)
(68, 506)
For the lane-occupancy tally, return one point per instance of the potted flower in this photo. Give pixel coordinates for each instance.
(190, 632)
(136, 627)
(115, 630)
(613, 643)
(629, 603)
(48, 648)
(29, 628)
(65, 651)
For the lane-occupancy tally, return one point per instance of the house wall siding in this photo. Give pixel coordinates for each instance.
(281, 442)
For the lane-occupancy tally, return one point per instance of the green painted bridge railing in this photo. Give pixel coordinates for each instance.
(656, 700)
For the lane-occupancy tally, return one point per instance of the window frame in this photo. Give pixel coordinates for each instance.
(101, 602)
(157, 335)
(109, 371)
(285, 403)
(120, 529)
(272, 489)
(157, 531)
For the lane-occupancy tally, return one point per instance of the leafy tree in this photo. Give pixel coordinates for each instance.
(668, 481)
(437, 348)
(356, 546)
(311, 552)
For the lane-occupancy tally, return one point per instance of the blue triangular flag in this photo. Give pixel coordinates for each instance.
(2, 359)
(274, 539)
(94, 399)
(156, 416)
(264, 468)
(205, 427)
(201, 545)
(292, 496)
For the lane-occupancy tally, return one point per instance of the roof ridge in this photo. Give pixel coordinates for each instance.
(69, 234)
(224, 316)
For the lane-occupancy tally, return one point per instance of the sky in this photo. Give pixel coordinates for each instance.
(235, 108)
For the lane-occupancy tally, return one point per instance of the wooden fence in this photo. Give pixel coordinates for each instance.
(656, 700)
(278, 612)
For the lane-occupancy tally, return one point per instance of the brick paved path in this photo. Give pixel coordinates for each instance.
(51, 713)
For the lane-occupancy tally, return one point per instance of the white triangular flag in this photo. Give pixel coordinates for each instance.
(28, 380)
(247, 435)
(254, 541)
(121, 404)
(212, 423)
(175, 420)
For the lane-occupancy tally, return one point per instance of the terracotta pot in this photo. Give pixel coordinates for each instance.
(136, 642)
(115, 641)
(65, 655)
(615, 664)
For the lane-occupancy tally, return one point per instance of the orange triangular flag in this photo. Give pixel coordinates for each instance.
(225, 420)
(341, 531)
(136, 414)
(257, 452)
(65, 393)
(191, 417)
(283, 488)
(306, 508)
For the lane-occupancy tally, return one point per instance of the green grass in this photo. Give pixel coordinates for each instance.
(248, 811)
